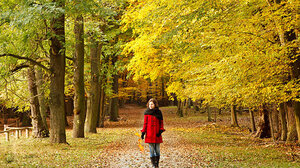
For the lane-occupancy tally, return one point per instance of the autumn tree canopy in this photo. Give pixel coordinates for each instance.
(225, 52)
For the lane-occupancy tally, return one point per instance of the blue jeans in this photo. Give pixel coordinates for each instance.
(154, 149)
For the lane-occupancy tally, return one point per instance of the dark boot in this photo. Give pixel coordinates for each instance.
(157, 161)
(153, 161)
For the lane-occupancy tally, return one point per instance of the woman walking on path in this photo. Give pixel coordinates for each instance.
(153, 127)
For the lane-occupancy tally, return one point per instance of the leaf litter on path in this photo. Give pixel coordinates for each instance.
(127, 153)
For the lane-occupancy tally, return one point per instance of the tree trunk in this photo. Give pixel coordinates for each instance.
(196, 106)
(104, 61)
(287, 37)
(79, 97)
(41, 98)
(57, 79)
(102, 109)
(295, 75)
(292, 131)
(209, 119)
(26, 119)
(93, 112)
(234, 122)
(179, 108)
(215, 119)
(39, 130)
(189, 105)
(297, 117)
(253, 128)
(263, 130)
(164, 97)
(185, 107)
(4, 110)
(275, 120)
(282, 115)
(271, 124)
(88, 110)
(114, 102)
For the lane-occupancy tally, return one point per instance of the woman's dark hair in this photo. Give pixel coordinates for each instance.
(153, 101)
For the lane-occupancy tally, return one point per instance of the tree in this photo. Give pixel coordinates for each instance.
(41, 96)
(263, 130)
(282, 116)
(287, 36)
(180, 108)
(114, 100)
(94, 95)
(234, 122)
(39, 129)
(292, 131)
(228, 51)
(79, 98)
(209, 118)
(252, 118)
(57, 79)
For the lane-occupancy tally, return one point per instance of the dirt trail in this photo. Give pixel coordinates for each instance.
(126, 153)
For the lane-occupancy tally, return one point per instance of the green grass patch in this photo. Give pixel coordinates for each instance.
(31, 152)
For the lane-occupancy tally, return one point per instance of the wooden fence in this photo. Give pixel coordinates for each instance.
(18, 131)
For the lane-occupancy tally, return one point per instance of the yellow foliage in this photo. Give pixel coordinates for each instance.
(223, 51)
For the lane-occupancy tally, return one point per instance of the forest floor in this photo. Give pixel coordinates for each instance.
(189, 141)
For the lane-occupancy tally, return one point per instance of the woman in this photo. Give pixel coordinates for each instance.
(153, 127)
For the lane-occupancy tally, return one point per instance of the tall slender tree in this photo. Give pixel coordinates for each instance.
(252, 118)
(282, 116)
(114, 100)
(41, 96)
(79, 97)
(39, 129)
(234, 122)
(94, 95)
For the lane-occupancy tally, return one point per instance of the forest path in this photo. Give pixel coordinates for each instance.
(175, 152)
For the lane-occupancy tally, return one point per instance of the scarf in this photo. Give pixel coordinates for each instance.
(155, 112)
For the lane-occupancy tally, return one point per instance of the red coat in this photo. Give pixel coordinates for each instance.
(151, 127)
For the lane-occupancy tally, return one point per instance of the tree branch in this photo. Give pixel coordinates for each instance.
(28, 59)
(19, 67)
(69, 58)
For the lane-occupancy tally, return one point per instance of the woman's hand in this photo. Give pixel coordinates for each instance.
(143, 134)
(159, 133)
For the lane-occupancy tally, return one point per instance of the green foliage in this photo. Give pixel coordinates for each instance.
(25, 31)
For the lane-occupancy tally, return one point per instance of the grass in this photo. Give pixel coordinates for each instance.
(81, 152)
(217, 145)
(222, 146)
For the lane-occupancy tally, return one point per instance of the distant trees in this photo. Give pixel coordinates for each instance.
(222, 52)
(52, 39)
(218, 54)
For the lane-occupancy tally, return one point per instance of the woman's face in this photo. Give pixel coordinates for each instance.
(151, 105)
